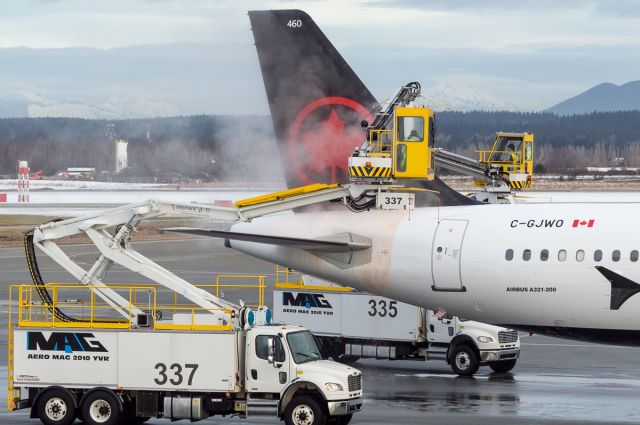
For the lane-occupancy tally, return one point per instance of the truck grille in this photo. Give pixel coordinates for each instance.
(355, 382)
(506, 337)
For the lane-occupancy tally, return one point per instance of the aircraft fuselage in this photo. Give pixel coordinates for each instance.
(563, 269)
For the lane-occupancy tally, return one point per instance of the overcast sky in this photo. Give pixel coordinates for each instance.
(531, 54)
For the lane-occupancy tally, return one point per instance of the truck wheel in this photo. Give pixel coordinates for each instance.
(340, 420)
(503, 366)
(304, 410)
(100, 408)
(56, 407)
(464, 361)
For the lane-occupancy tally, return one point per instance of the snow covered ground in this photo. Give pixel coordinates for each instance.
(35, 185)
(117, 197)
(73, 198)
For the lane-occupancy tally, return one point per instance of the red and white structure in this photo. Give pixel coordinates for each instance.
(23, 181)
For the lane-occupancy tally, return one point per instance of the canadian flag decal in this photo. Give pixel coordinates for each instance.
(583, 223)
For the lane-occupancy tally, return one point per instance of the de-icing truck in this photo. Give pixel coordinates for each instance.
(350, 325)
(190, 367)
(106, 353)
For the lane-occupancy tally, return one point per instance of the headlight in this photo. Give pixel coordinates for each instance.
(485, 339)
(333, 386)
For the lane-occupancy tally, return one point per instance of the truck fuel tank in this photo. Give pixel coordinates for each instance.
(184, 407)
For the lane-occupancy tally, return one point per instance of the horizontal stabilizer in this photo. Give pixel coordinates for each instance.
(344, 242)
(622, 288)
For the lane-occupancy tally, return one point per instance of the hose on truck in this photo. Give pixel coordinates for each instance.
(43, 292)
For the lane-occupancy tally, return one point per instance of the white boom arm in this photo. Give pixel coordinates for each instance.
(115, 248)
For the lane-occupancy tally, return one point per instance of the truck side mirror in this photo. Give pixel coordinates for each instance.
(271, 350)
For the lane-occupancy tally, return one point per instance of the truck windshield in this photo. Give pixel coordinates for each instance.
(303, 347)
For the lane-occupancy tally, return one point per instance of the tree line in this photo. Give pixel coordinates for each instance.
(562, 142)
(223, 147)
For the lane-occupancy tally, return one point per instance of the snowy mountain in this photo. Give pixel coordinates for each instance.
(133, 81)
(448, 96)
(111, 108)
(27, 104)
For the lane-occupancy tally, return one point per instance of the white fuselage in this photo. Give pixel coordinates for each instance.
(455, 258)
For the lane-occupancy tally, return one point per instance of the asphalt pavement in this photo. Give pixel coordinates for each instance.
(556, 381)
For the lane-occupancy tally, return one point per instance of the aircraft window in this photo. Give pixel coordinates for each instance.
(526, 255)
(544, 255)
(579, 255)
(410, 129)
(597, 255)
(615, 255)
(508, 255)
(634, 256)
(562, 255)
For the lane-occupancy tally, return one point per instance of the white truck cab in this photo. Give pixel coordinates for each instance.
(470, 344)
(286, 360)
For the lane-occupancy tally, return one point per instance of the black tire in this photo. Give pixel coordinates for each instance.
(503, 366)
(101, 408)
(304, 410)
(464, 360)
(56, 407)
(340, 420)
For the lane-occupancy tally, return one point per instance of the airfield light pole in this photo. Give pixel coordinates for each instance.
(23, 181)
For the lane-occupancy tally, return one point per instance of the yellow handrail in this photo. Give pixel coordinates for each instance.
(382, 144)
(11, 405)
(260, 284)
(100, 314)
(485, 156)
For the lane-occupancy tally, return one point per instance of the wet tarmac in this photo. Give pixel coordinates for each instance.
(556, 381)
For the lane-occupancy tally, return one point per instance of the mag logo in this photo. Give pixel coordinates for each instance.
(306, 303)
(305, 300)
(65, 342)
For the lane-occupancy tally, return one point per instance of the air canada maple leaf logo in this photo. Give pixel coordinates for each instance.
(322, 137)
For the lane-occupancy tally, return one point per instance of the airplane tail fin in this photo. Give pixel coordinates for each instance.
(317, 101)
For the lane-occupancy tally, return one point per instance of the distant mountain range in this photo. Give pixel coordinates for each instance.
(128, 82)
(32, 105)
(456, 97)
(604, 97)
(189, 79)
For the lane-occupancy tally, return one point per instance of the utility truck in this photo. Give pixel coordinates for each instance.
(350, 325)
(104, 353)
(175, 369)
